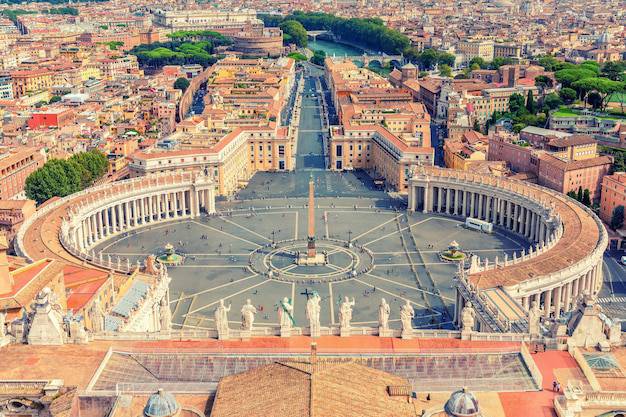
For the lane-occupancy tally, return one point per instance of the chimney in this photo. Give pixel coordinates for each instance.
(313, 353)
(6, 280)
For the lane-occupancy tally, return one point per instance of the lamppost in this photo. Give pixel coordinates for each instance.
(273, 237)
(349, 238)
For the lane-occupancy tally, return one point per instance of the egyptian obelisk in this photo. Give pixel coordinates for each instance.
(311, 253)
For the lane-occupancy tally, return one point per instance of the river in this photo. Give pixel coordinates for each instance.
(334, 48)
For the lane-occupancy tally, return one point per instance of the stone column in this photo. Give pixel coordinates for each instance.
(501, 212)
(456, 201)
(448, 191)
(114, 218)
(183, 196)
(472, 197)
(567, 300)
(439, 198)
(576, 289)
(557, 302)
(480, 205)
(547, 303)
(526, 303)
(127, 214)
(464, 203)
(426, 198)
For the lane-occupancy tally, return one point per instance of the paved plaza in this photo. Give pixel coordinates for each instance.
(405, 248)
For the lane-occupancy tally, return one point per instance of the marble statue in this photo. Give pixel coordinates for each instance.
(313, 312)
(247, 315)
(407, 313)
(534, 316)
(97, 316)
(285, 313)
(345, 312)
(467, 317)
(221, 319)
(383, 314)
(166, 314)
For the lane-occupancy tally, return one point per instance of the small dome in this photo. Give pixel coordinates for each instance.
(409, 66)
(161, 404)
(462, 403)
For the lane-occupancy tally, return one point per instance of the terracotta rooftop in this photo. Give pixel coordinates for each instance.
(305, 389)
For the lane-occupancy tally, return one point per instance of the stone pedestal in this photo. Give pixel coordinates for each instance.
(285, 331)
(345, 332)
(245, 334)
(223, 334)
(407, 334)
(382, 332)
(466, 334)
(315, 331)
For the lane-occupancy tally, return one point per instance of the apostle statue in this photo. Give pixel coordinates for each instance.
(534, 315)
(467, 317)
(407, 313)
(313, 313)
(166, 314)
(221, 320)
(247, 315)
(285, 313)
(97, 316)
(345, 312)
(383, 314)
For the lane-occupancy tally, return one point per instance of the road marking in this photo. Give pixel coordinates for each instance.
(374, 228)
(229, 296)
(410, 287)
(227, 234)
(245, 228)
(393, 295)
(397, 231)
(213, 288)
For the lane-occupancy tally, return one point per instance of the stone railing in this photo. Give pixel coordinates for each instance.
(584, 366)
(535, 373)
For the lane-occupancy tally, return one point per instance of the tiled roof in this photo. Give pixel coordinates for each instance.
(302, 389)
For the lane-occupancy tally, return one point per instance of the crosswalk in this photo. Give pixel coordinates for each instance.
(604, 300)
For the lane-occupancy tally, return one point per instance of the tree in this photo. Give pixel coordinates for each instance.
(543, 82)
(552, 101)
(617, 217)
(614, 70)
(594, 99)
(181, 83)
(479, 62)
(549, 63)
(445, 70)
(500, 61)
(586, 200)
(59, 177)
(318, 57)
(530, 103)
(603, 86)
(54, 99)
(579, 194)
(295, 32)
(516, 103)
(568, 95)
(571, 194)
(475, 67)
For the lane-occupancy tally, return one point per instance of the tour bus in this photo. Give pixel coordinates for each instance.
(480, 225)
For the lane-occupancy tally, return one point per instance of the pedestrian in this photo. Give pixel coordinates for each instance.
(554, 385)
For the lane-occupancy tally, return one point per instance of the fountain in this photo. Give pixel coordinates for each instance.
(453, 253)
(170, 257)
